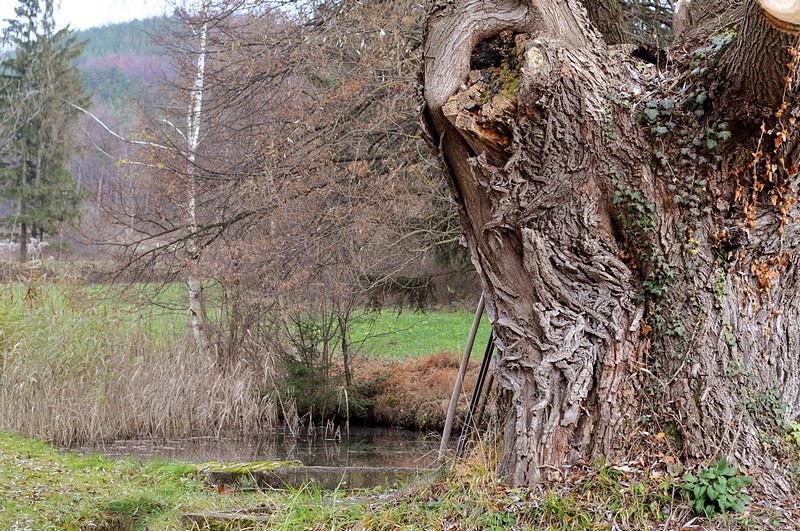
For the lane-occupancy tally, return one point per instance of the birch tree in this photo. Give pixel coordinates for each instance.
(192, 142)
(307, 136)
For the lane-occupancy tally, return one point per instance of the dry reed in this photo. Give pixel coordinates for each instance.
(73, 376)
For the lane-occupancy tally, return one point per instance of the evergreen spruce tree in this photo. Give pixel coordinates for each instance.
(40, 86)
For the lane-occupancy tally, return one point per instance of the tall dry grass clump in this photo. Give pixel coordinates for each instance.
(416, 394)
(75, 373)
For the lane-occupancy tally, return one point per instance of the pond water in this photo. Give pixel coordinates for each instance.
(361, 447)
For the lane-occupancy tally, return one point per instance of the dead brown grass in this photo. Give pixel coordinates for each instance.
(81, 373)
(132, 392)
(416, 393)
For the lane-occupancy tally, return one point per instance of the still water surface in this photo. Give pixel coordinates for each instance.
(362, 447)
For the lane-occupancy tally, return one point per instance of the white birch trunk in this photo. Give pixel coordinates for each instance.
(193, 137)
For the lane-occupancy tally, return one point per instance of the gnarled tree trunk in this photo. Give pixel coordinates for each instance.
(633, 228)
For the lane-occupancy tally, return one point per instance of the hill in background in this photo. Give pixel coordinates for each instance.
(120, 60)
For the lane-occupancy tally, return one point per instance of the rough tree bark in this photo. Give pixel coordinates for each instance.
(606, 15)
(633, 229)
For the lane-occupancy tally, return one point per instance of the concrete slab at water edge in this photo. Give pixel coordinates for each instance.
(322, 477)
(261, 517)
(226, 520)
(289, 476)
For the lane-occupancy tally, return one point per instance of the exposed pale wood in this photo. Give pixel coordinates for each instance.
(784, 14)
(756, 64)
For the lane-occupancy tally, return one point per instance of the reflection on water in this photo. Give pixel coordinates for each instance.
(362, 447)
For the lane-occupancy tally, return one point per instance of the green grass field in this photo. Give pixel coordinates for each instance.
(404, 335)
(66, 310)
(45, 490)
(387, 335)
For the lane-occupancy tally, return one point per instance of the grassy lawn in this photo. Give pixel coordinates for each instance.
(407, 334)
(388, 334)
(162, 316)
(41, 489)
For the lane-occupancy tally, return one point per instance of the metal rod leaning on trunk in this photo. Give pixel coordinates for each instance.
(482, 403)
(451, 411)
(469, 425)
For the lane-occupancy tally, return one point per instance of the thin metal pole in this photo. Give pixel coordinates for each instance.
(467, 428)
(485, 400)
(451, 411)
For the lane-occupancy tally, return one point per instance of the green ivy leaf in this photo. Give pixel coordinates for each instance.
(651, 114)
(701, 98)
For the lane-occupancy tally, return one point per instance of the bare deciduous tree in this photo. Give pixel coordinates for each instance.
(310, 181)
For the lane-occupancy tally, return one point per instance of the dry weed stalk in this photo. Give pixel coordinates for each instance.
(134, 390)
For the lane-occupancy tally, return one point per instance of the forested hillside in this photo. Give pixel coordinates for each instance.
(119, 60)
(121, 67)
(126, 38)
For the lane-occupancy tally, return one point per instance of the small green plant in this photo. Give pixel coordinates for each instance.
(716, 133)
(500, 520)
(769, 408)
(793, 435)
(717, 489)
